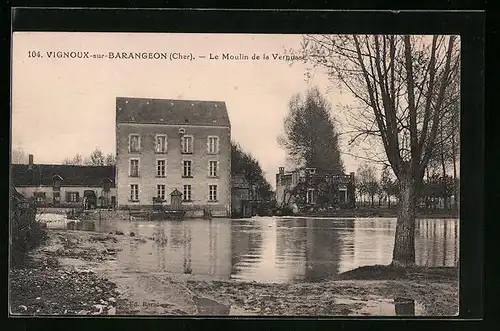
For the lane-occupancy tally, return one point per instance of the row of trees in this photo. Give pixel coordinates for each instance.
(385, 188)
(96, 158)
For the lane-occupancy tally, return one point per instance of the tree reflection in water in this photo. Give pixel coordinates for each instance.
(324, 248)
(404, 307)
(246, 243)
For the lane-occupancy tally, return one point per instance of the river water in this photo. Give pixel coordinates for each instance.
(272, 249)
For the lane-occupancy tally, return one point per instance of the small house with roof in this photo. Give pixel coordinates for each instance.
(60, 185)
(164, 145)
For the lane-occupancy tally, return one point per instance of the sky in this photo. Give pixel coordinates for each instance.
(64, 106)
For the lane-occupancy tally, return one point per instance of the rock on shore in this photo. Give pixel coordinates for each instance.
(43, 288)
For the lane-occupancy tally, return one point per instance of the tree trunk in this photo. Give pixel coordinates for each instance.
(443, 166)
(404, 243)
(455, 188)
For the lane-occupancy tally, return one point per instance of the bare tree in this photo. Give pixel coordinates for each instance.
(110, 160)
(96, 158)
(366, 179)
(387, 185)
(75, 160)
(19, 156)
(404, 88)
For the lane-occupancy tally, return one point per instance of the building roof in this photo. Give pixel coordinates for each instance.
(72, 175)
(167, 111)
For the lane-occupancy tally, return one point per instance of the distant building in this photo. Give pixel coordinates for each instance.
(65, 185)
(164, 145)
(287, 183)
(241, 199)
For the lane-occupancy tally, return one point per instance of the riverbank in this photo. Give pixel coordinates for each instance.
(45, 286)
(378, 213)
(106, 214)
(77, 273)
(430, 292)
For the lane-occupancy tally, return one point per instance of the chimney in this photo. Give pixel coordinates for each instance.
(281, 170)
(30, 162)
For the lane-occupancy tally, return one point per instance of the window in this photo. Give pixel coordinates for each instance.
(160, 168)
(39, 196)
(212, 193)
(72, 196)
(187, 193)
(134, 192)
(160, 189)
(342, 195)
(213, 168)
(134, 143)
(186, 169)
(213, 145)
(161, 143)
(310, 196)
(134, 168)
(311, 171)
(187, 144)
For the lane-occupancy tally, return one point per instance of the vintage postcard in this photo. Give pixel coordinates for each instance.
(235, 174)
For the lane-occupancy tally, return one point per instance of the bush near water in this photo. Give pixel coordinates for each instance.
(26, 233)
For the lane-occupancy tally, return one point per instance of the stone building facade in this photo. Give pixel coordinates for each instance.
(164, 145)
(309, 180)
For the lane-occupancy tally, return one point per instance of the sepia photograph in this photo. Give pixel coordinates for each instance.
(212, 174)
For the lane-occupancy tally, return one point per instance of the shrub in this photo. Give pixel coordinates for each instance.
(26, 232)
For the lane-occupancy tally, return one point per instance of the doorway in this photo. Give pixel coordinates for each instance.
(90, 199)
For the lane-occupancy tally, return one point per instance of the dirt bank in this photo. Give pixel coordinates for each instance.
(372, 290)
(343, 297)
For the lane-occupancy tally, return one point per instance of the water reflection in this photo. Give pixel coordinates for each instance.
(436, 242)
(197, 247)
(325, 248)
(404, 307)
(268, 249)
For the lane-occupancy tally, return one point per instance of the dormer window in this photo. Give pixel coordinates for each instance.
(56, 182)
(106, 185)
